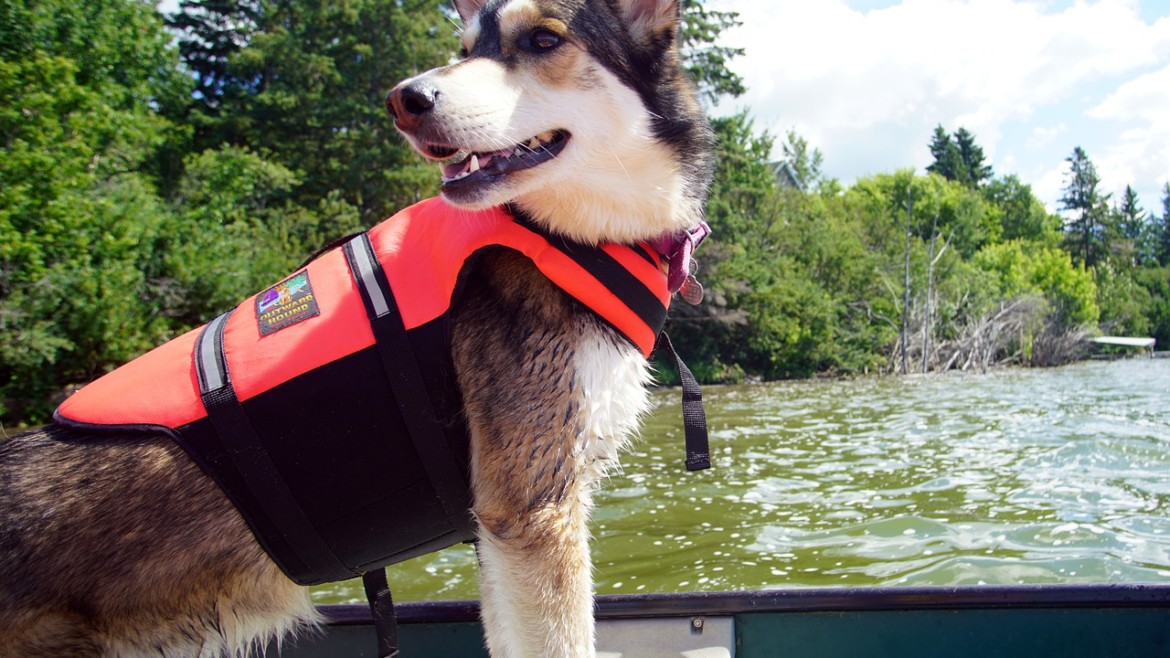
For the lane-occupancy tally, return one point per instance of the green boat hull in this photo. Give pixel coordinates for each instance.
(1025, 622)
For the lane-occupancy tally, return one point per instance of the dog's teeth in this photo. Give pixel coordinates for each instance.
(474, 163)
(518, 152)
(533, 144)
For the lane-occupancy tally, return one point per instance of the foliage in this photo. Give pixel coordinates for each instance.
(80, 85)
(1156, 282)
(1023, 268)
(958, 158)
(1088, 228)
(305, 83)
(806, 162)
(1160, 234)
(704, 58)
(1022, 216)
(1123, 301)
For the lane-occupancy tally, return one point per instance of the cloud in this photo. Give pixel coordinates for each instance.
(1043, 135)
(1146, 97)
(1141, 149)
(868, 87)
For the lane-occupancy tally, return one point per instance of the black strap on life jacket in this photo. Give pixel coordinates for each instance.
(382, 607)
(247, 453)
(610, 273)
(402, 370)
(419, 415)
(694, 416)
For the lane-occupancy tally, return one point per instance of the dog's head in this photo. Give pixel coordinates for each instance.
(577, 111)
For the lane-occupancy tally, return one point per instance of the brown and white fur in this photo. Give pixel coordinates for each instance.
(121, 546)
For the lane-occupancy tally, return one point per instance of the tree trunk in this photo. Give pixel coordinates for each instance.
(929, 293)
(906, 288)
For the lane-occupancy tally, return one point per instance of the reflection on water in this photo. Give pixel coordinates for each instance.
(1022, 476)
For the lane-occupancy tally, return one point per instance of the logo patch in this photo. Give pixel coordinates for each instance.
(286, 304)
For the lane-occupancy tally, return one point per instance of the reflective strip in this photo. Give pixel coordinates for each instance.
(212, 375)
(422, 422)
(363, 259)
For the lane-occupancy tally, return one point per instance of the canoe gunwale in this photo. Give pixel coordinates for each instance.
(858, 599)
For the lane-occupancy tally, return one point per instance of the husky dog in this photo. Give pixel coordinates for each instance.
(575, 112)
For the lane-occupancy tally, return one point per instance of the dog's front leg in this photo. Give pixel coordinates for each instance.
(549, 395)
(532, 487)
(535, 579)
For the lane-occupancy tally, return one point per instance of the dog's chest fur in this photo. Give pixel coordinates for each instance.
(550, 391)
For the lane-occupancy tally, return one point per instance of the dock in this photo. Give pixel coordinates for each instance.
(1140, 343)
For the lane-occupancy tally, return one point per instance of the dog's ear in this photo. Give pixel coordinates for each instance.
(468, 9)
(648, 18)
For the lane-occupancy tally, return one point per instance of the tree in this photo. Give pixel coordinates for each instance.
(212, 32)
(1132, 218)
(1136, 229)
(958, 158)
(806, 163)
(704, 59)
(304, 84)
(948, 161)
(1162, 230)
(79, 87)
(1021, 268)
(1087, 234)
(974, 170)
(1022, 215)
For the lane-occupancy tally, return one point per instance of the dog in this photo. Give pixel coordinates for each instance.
(575, 114)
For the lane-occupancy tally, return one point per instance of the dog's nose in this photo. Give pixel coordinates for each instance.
(409, 103)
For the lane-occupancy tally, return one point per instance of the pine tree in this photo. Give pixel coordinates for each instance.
(958, 158)
(305, 83)
(1162, 230)
(1087, 228)
(974, 171)
(212, 32)
(703, 58)
(1132, 217)
(1133, 225)
(948, 161)
(806, 162)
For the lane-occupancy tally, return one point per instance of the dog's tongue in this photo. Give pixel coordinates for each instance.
(456, 168)
(678, 249)
(473, 163)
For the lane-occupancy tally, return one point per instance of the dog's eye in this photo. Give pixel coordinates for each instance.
(543, 40)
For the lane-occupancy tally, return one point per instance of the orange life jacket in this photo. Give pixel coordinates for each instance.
(325, 406)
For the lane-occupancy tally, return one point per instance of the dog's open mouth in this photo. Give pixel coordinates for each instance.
(472, 168)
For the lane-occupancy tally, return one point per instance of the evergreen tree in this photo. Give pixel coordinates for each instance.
(703, 57)
(948, 161)
(806, 163)
(1087, 236)
(211, 33)
(974, 170)
(1162, 231)
(958, 158)
(1134, 226)
(305, 84)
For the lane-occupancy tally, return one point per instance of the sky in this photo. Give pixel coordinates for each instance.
(867, 81)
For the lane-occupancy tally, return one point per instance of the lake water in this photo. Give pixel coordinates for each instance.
(1016, 476)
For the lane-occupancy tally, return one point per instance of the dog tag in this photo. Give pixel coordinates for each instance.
(691, 290)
